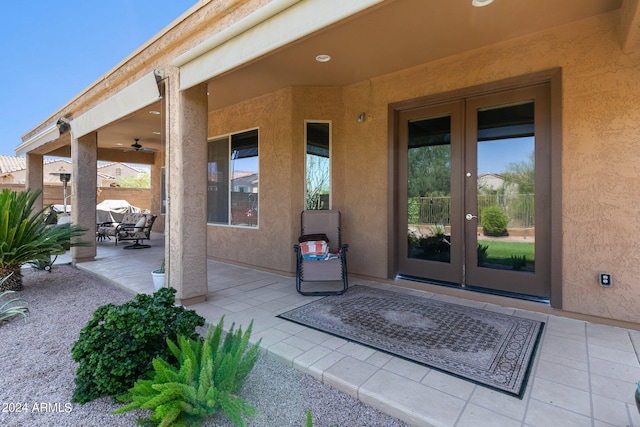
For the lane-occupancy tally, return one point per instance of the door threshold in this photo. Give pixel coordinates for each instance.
(478, 289)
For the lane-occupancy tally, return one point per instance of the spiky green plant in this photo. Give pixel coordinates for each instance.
(309, 422)
(24, 236)
(12, 307)
(206, 379)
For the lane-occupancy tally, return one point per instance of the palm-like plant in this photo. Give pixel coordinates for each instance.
(24, 236)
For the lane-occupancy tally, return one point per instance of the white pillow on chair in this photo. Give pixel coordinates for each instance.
(140, 224)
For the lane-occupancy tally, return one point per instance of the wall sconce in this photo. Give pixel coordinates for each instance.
(481, 3)
(361, 118)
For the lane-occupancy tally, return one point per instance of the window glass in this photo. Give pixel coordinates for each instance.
(317, 166)
(233, 180)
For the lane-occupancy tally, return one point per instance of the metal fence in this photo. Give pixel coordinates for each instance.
(437, 210)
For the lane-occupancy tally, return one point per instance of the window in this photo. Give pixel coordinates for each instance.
(317, 165)
(232, 180)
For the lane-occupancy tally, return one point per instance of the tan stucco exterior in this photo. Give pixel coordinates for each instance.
(600, 148)
(596, 121)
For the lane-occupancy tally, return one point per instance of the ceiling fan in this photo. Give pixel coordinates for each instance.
(139, 148)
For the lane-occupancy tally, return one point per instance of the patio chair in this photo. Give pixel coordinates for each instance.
(135, 226)
(320, 254)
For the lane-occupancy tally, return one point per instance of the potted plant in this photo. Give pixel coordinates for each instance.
(158, 277)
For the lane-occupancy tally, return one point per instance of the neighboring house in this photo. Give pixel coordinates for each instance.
(109, 173)
(490, 181)
(13, 170)
(237, 82)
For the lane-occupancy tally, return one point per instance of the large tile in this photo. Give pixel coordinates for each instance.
(540, 414)
(405, 368)
(610, 411)
(613, 388)
(356, 351)
(563, 326)
(565, 397)
(348, 374)
(567, 348)
(298, 342)
(318, 368)
(563, 374)
(509, 406)
(625, 357)
(284, 352)
(473, 415)
(448, 384)
(614, 370)
(410, 401)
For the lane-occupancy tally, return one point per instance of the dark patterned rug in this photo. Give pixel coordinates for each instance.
(491, 349)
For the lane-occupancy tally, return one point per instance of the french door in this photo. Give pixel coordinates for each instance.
(474, 192)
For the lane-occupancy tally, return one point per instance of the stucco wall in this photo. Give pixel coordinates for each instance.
(269, 245)
(601, 154)
(600, 163)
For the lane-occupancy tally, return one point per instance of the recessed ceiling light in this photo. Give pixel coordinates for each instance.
(481, 3)
(156, 132)
(323, 58)
(154, 112)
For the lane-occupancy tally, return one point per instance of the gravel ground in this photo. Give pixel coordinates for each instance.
(37, 372)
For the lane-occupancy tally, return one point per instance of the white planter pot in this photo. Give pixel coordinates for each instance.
(158, 280)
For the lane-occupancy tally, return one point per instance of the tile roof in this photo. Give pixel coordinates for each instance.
(12, 163)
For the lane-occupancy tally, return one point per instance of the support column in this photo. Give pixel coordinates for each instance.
(34, 179)
(84, 160)
(157, 190)
(186, 240)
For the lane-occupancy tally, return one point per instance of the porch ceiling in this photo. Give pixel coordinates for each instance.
(394, 35)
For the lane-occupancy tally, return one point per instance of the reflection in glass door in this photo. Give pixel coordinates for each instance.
(431, 217)
(429, 189)
(505, 199)
(507, 192)
(474, 193)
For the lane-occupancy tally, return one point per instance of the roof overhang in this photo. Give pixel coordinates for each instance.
(48, 134)
(139, 94)
(142, 93)
(278, 24)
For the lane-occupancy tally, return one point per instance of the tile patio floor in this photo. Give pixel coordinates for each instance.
(584, 373)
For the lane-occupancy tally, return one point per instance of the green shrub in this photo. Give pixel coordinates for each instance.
(206, 378)
(119, 343)
(494, 221)
(413, 210)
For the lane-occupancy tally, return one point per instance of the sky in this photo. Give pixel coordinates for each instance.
(53, 50)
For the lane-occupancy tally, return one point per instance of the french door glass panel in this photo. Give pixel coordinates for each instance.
(429, 189)
(506, 187)
(474, 192)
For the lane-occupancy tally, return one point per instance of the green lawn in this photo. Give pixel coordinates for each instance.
(501, 252)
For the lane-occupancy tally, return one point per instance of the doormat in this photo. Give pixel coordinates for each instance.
(491, 349)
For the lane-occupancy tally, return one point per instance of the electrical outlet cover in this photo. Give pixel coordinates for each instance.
(605, 280)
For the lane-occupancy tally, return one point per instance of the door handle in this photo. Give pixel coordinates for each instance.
(469, 217)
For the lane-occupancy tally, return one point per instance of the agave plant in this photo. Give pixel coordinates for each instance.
(12, 307)
(24, 236)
